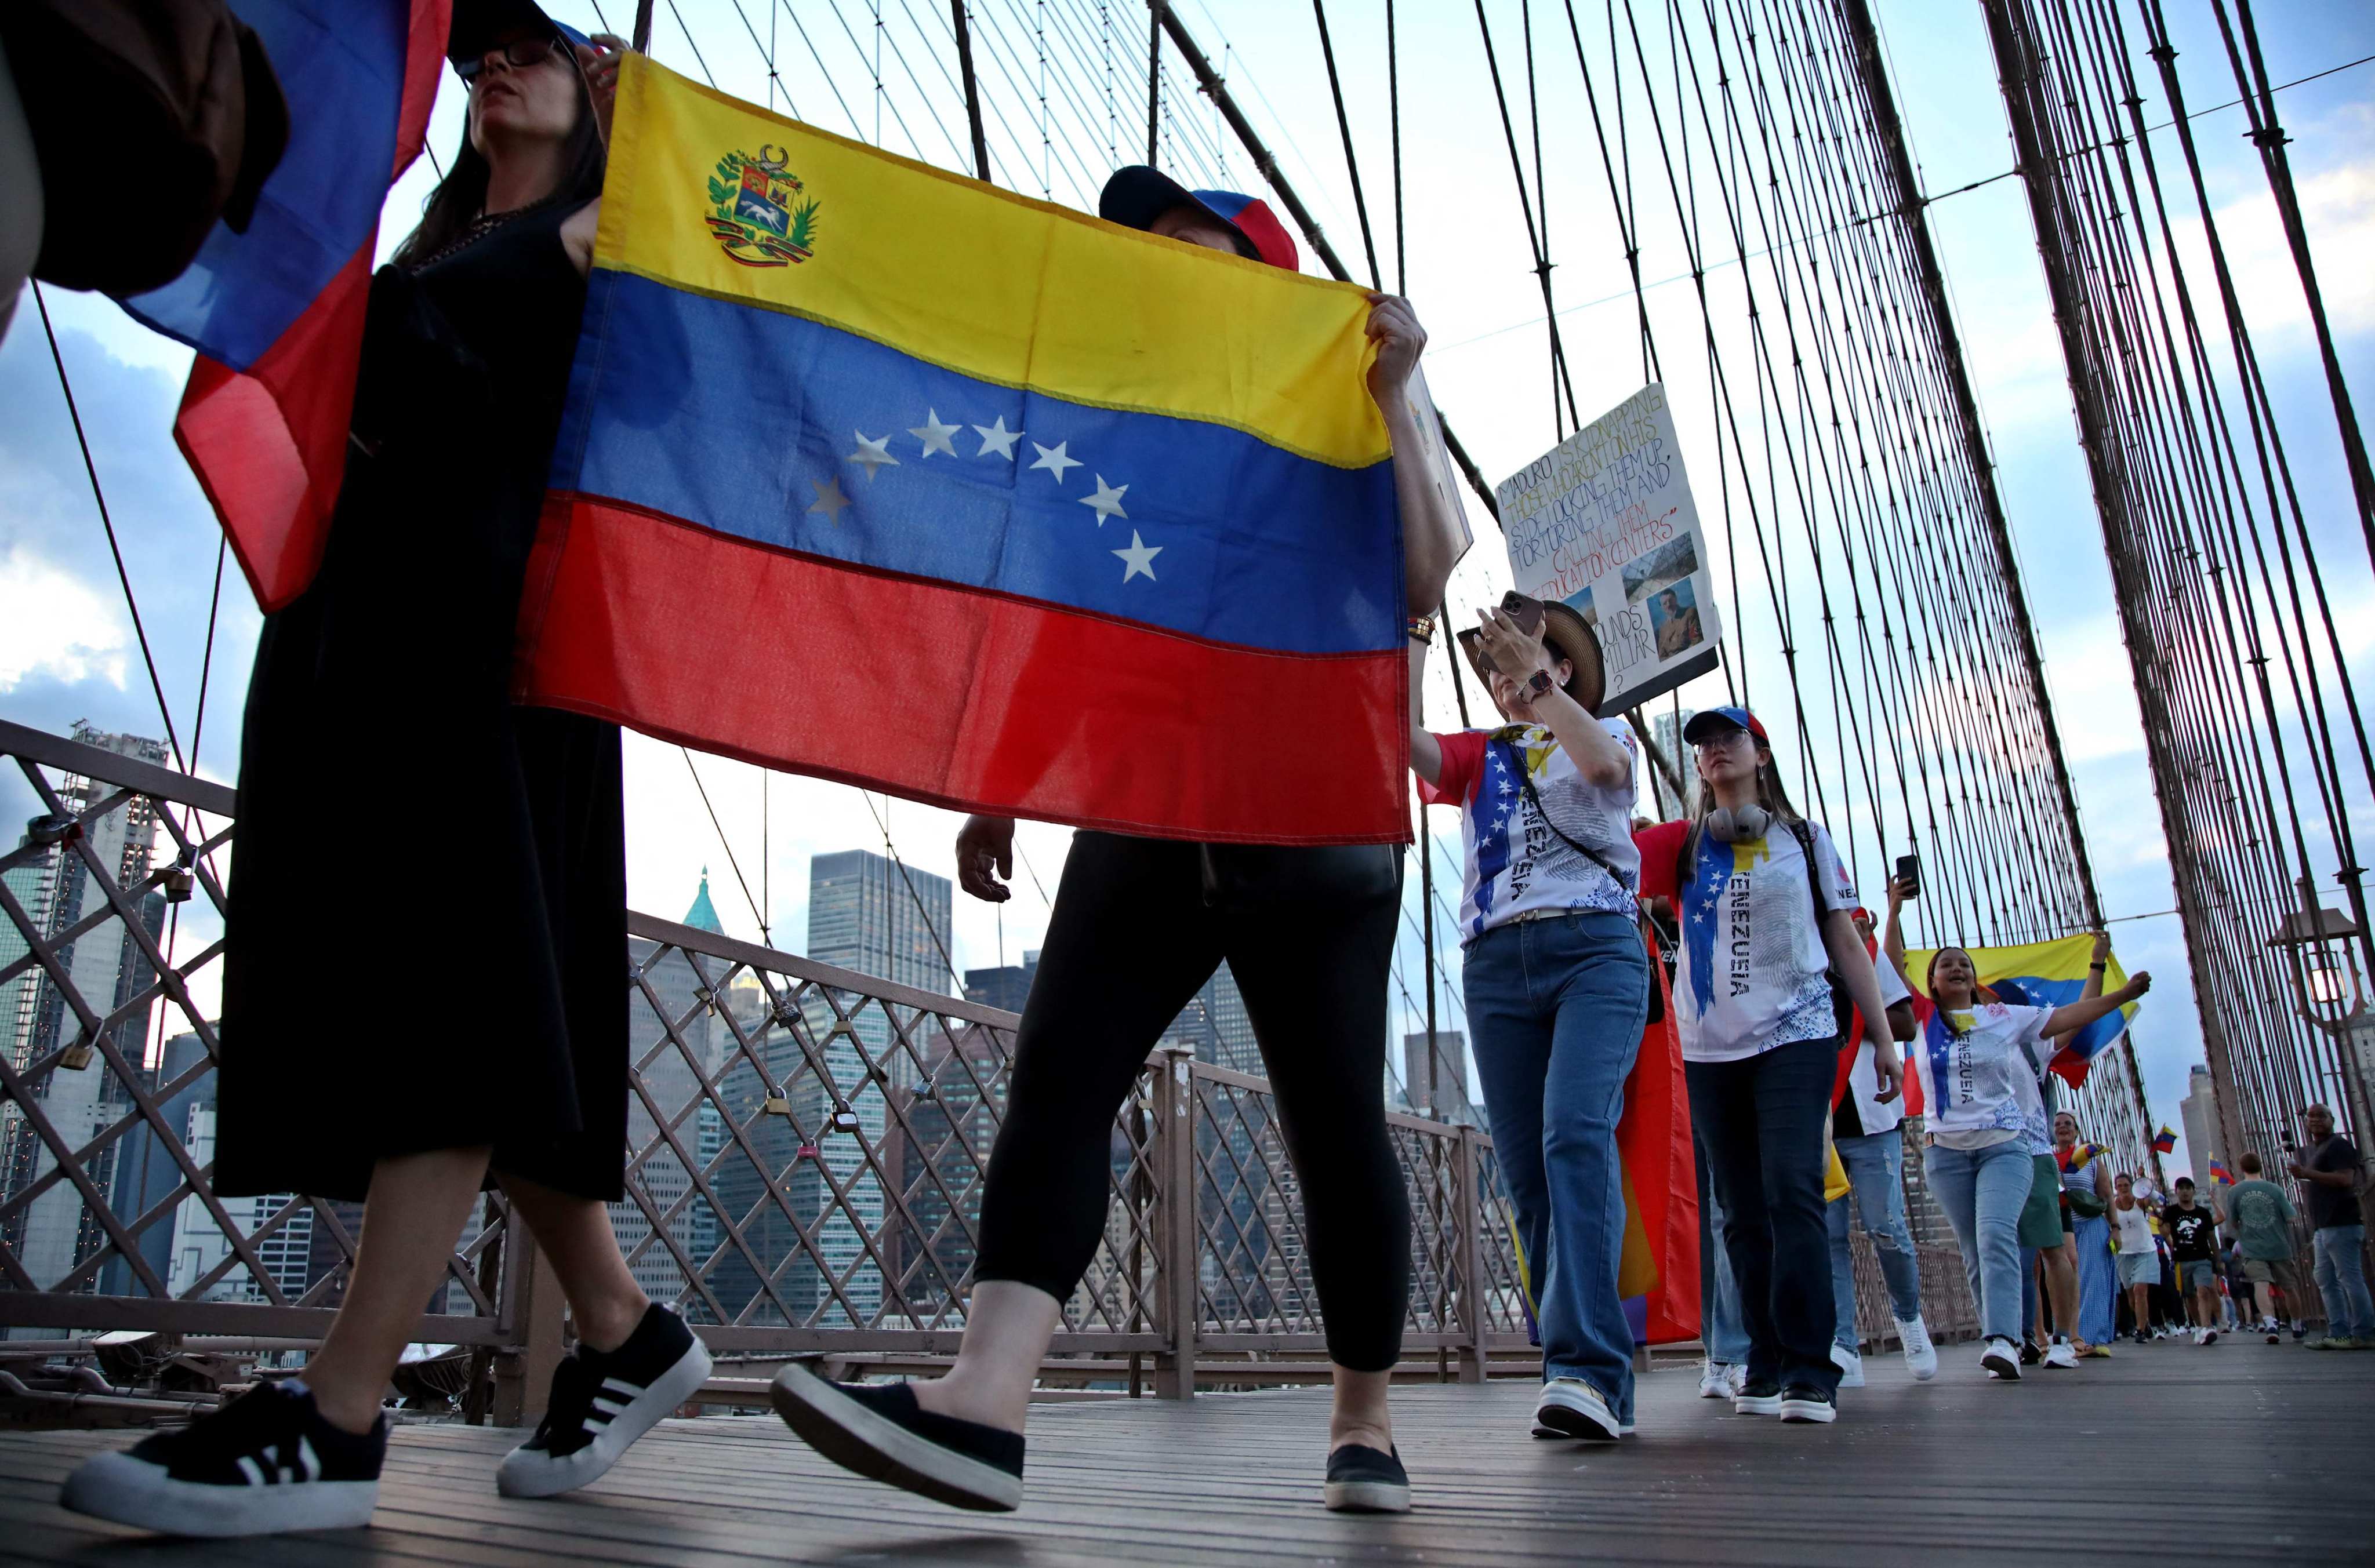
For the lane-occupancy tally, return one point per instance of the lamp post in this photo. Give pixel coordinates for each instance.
(2322, 950)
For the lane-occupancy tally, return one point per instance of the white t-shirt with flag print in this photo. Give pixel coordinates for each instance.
(1516, 864)
(1754, 973)
(1979, 1072)
(1863, 1079)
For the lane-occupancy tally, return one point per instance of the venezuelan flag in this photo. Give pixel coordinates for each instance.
(877, 473)
(2164, 1140)
(2219, 1172)
(2040, 975)
(276, 312)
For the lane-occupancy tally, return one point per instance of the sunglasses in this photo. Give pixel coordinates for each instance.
(517, 55)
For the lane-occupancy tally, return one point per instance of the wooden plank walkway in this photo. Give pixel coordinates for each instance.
(2241, 1452)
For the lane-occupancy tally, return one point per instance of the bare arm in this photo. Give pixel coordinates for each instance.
(1428, 527)
(1599, 756)
(2079, 1014)
(1854, 965)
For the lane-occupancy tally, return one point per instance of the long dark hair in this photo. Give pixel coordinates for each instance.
(459, 197)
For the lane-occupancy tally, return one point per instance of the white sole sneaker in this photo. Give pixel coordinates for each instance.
(871, 1445)
(1850, 1366)
(529, 1472)
(1571, 1407)
(1757, 1405)
(2002, 1362)
(1818, 1410)
(134, 1491)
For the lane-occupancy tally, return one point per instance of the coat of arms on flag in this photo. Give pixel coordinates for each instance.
(762, 216)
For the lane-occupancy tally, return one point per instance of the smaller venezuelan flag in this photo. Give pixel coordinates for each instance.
(877, 473)
(2165, 1141)
(2219, 1172)
(277, 313)
(2043, 975)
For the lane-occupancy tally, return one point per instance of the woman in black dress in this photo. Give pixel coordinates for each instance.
(397, 1027)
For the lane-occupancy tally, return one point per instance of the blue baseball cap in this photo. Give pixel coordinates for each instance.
(1707, 722)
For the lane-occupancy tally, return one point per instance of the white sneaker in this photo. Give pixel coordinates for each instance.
(1735, 1378)
(1571, 1407)
(2060, 1353)
(1921, 1355)
(2210, 1337)
(2194, 1333)
(1850, 1366)
(2000, 1361)
(1715, 1381)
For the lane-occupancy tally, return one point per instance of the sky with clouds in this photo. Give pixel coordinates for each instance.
(68, 652)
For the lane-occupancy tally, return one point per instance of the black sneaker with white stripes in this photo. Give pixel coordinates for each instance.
(878, 1430)
(602, 1401)
(265, 1463)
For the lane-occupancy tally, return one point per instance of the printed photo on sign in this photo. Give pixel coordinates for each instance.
(1662, 566)
(1673, 610)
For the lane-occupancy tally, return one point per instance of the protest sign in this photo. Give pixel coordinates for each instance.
(1604, 522)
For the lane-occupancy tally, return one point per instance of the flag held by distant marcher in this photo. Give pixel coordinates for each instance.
(2165, 1141)
(880, 474)
(276, 312)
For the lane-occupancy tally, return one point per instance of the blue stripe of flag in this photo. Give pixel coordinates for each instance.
(750, 422)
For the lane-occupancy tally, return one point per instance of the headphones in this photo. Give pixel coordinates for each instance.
(1745, 825)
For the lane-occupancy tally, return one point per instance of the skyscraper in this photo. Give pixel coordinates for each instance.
(108, 968)
(1451, 1076)
(673, 1082)
(836, 1061)
(2198, 1113)
(1666, 730)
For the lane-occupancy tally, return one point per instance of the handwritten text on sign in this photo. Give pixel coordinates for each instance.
(1604, 522)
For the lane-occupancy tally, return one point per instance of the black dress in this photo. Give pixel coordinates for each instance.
(426, 932)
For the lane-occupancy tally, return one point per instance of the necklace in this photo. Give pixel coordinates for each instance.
(478, 229)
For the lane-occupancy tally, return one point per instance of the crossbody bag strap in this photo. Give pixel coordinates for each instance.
(1526, 778)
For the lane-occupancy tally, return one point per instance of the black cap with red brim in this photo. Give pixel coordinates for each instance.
(1137, 196)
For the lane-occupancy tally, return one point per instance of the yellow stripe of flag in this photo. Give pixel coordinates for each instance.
(1011, 291)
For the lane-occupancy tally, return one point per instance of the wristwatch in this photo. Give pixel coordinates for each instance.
(1537, 685)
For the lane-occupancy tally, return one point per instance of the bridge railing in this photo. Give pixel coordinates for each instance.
(806, 1156)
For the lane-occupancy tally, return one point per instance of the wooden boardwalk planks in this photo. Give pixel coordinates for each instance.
(2273, 1438)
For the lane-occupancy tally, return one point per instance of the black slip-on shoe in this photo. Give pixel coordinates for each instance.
(879, 1431)
(262, 1464)
(602, 1401)
(1362, 1480)
(1804, 1402)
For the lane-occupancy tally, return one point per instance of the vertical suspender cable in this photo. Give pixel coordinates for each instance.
(972, 89)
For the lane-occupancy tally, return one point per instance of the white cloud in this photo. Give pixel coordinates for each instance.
(2337, 210)
(51, 624)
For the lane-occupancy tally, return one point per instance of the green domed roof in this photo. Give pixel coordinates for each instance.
(702, 915)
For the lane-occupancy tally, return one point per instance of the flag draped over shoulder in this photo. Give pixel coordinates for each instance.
(2044, 974)
(880, 474)
(276, 313)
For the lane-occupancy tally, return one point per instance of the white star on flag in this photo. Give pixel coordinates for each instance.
(1139, 558)
(934, 434)
(1056, 459)
(872, 455)
(996, 437)
(829, 500)
(1108, 500)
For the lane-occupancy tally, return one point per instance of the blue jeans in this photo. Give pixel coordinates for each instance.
(1761, 1121)
(1720, 1331)
(1983, 1191)
(1875, 1168)
(1555, 1006)
(2097, 1284)
(2342, 1281)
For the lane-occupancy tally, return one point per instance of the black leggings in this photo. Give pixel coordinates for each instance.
(1129, 945)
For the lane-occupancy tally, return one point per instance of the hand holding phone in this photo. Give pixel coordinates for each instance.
(1908, 876)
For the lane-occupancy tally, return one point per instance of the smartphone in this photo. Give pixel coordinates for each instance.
(1909, 871)
(1525, 612)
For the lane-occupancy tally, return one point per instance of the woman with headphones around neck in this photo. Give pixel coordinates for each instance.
(1557, 981)
(1763, 899)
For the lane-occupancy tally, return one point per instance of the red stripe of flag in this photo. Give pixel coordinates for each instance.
(965, 698)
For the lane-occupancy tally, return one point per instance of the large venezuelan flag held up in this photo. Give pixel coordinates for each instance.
(877, 473)
(2045, 974)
